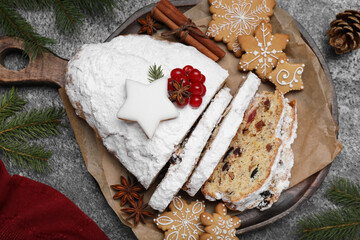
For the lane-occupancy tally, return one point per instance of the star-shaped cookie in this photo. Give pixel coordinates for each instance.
(183, 222)
(262, 50)
(233, 18)
(147, 104)
(219, 225)
(287, 76)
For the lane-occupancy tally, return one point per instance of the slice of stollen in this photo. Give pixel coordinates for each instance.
(188, 155)
(224, 133)
(95, 85)
(257, 166)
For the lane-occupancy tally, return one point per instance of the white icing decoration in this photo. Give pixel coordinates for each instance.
(147, 104)
(267, 58)
(238, 20)
(284, 74)
(183, 223)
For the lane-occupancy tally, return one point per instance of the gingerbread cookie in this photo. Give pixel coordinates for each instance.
(262, 50)
(287, 76)
(219, 225)
(183, 222)
(233, 18)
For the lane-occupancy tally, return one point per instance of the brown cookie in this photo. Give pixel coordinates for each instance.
(262, 50)
(219, 225)
(287, 76)
(183, 222)
(233, 18)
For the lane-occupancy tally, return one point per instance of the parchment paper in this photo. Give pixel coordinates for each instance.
(315, 146)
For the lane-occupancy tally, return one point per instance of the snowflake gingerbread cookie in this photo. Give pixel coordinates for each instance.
(219, 225)
(233, 18)
(262, 50)
(183, 222)
(287, 76)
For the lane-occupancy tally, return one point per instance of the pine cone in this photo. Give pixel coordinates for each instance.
(344, 31)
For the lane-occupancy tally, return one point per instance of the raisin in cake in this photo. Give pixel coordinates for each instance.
(258, 162)
(95, 85)
(187, 156)
(223, 135)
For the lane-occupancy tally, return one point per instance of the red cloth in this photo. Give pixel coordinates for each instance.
(32, 210)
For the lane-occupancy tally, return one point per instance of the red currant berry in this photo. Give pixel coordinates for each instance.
(184, 79)
(203, 90)
(195, 75)
(170, 87)
(177, 72)
(195, 101)
(187, 69)
(202, 79)
(196, 89)
(186, 101)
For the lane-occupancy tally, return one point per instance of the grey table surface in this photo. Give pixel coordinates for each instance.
(70, 175)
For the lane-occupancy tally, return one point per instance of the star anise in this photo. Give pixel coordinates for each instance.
(149, 25)
(137, 211)
(179, 92)
(127, 191)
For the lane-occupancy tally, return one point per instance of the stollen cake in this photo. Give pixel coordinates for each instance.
(95, 85)
(186, 157)
(258, 162)
(223, 135)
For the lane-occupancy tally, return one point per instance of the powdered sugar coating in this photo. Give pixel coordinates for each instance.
(226, 132)
(178, 173)
(95, 84)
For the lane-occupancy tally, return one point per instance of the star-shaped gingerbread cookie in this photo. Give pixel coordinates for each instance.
(183, 222)
(147, 104)
(262, 50)
(287, 76)
(219, 225)
(233, 18)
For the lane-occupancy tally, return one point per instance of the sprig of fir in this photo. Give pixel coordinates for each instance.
(69, 14)
(17, 128)
(155, 73)
(341, 223)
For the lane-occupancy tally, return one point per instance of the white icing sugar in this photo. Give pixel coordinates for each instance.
(278, 179)
(95, 84)
(227, 131)
(178, 173)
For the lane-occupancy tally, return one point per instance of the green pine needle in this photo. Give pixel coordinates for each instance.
(33, 124)
(25, 155)
(31, 4)
(10, 103)
(67, 16)
(334, 224)
(344, 192)
(155, 73)
(14, 25)
(17, 129)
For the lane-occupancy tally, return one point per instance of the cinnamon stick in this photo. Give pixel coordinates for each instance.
(158, 15)
(166, 7)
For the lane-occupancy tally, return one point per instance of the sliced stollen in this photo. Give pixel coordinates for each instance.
(95, 84)
(224, 134)
(188, 155)
(257, 166)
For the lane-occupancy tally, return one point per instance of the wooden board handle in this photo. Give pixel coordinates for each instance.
(44, 69)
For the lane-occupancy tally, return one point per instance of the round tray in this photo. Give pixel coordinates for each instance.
(293, 197)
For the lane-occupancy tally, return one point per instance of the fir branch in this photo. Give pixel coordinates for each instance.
(15, 25)
(67, 15)
(155, 73)
(344, 192)
(31, 4)
(33, 124)
(10, 103)
(334, 224)
(25, 155)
